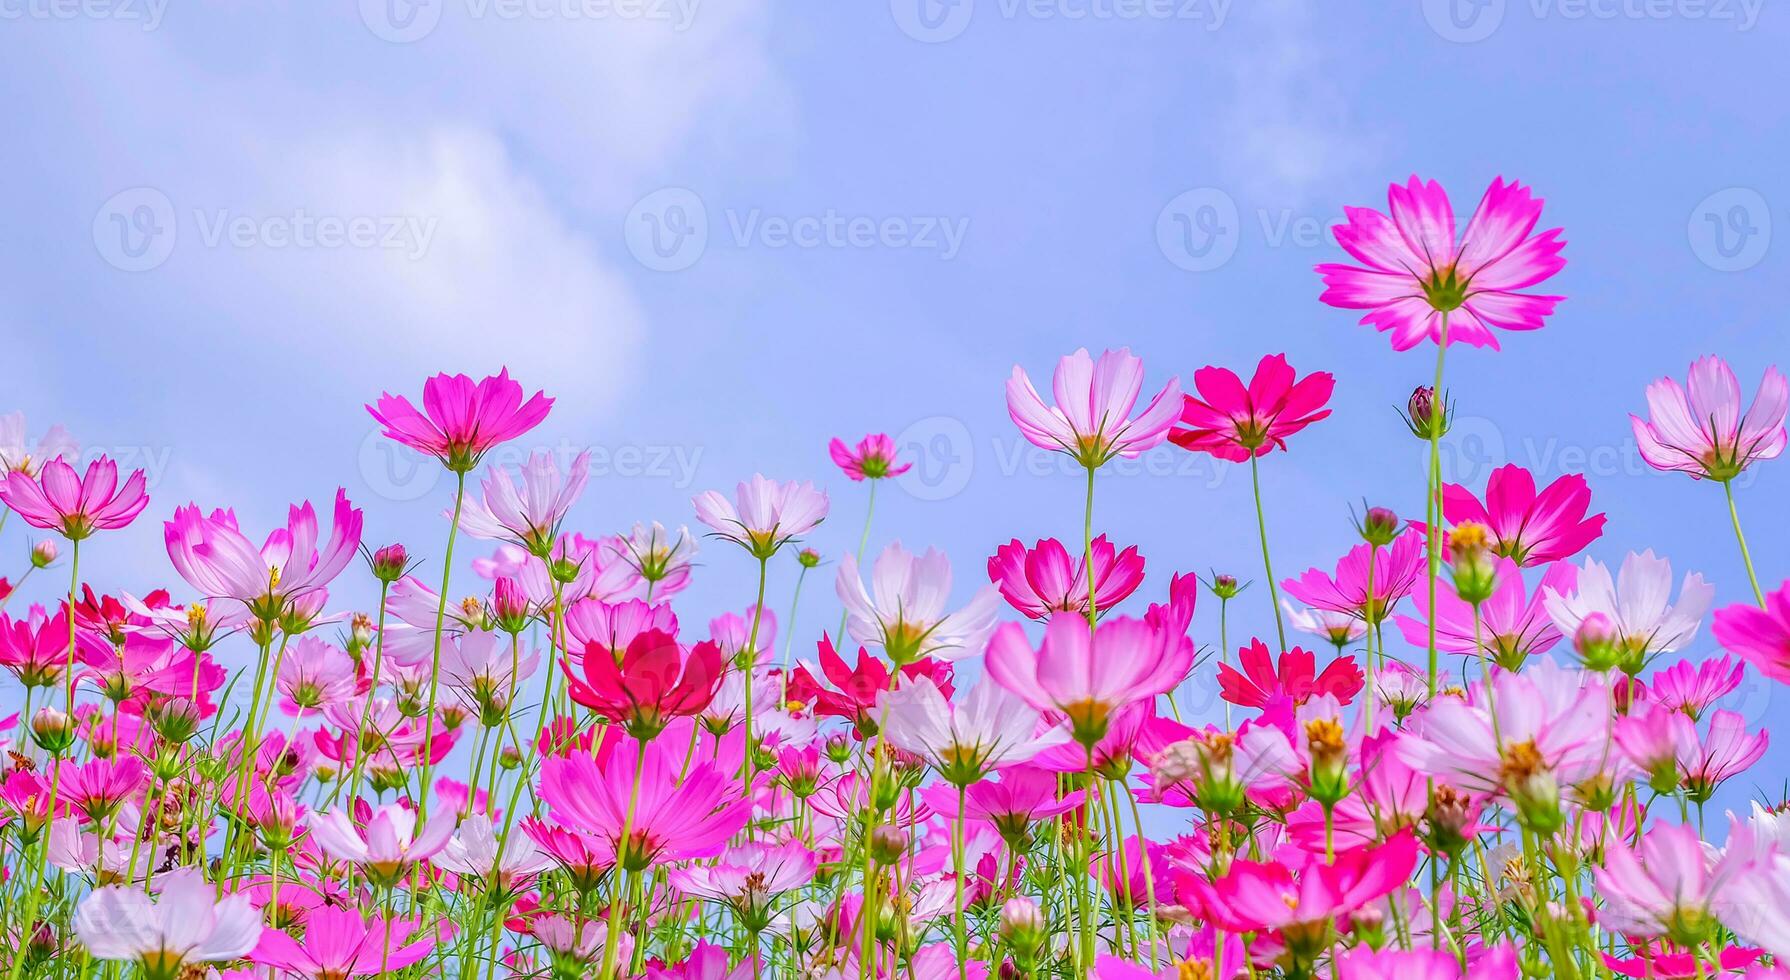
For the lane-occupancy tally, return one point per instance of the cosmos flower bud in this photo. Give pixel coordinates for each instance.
(1449, 818)
(43, 553)
(838, 747)
(52, 730)
(1379, 526)
(360, 635)
(1225, 586)
(1533, 788)
(390, 563)
(175, 720)
(888, 843)
(1023, 928)
(1329, 760)
(1421, 413)
(510, 758)
(1368, 924)
(808, 557)
(1598, 642)
(509, 606)
(1472, 562)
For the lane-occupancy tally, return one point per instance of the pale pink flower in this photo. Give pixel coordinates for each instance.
(75, 505)
(1512, 626)
(1703, 432)
(1047, 579)
(19, 455)
(386, 843)
(1669, 886)
(1414, 272)
(1637, 603)
(530, 516)
(903, 610)
(764, 515)
(662, 559)
(1087, 678)
(1727, 750)
(475, 852)
(991, 729)
(185, 924)
(1091, 420)
(218, 560)
(314, 674)
(1339, 628)
(749, 878)
(461, 420)
(873, 458)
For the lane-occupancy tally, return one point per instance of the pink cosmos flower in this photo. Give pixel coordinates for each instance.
(1761, 637)
(314, 674)
(1727, 750)
(461, 420)
(185, 924)
(1260, 685)
(1047, 579)
(873, 458)
(990, 729)
(1704, 433)
(1087, 678)
(1512, 627)
(680, 812)
(1234, 422)
(764, 515)
(903, 609)
(75, 506)
(218, 560)
(1363, 963)
(732, 633)
(1638, 605)
(584, 857)
(338, 943)
(18, 455)
(1668, 886)
(1692, 688)
(475, 852)
(1023, 796)
(706, 962)
(1092, 421)
(531, 516)
(750, 877)
(386, 842)
(1531, 528)
(613, 626)
(655, 680)
(1414, 273)
(1338, 628)
(99, 787)
(1397, 570)
(662, 559)
(35, 648)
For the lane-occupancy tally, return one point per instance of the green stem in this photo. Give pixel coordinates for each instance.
(1261, 522)
(1745, 555)
(963, 946)
(447, 574)
(1433, 498)
(613, 929)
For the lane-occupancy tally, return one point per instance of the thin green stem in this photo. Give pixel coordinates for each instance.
(1433, 499)
(447, 574)
(1745, 555)
(1261, 522)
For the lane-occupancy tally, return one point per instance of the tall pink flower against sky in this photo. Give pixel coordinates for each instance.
(655, 679)
(1638, 603)
(1091, 420)
(873, 458)
(1046, 579)
(19, 455)
(763, 515)
(1761, 637)
(1414, 271)
(1261, 684)
(1087, 677)
(1692, 688)
(529, 516)
(218, 560)
(681, 812)
(1233, 421)
(991, 728)
(461, 420)
(903, 608)
(184, 924)
(1513, 623)
(1703, 431)
(1531, 528)
(75, 505)
(1397, 569)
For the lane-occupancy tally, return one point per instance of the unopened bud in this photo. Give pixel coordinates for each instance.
(52, 730)
(1225, 586)
(888, 844)
(1422, 414)
(509, 758)
(390, 563)
(509, 606)
(175, 720)
(808, 557)
(838, 747)
(1379, 526)
(1471, 560)
(1023, 928)
(43, 553)
(1598, 642)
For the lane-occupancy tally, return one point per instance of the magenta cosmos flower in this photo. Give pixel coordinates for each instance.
(215, 558)
(873, 458)
(1088, 678)
(1091, 420)
(682, 810)
(1365, 963)
(1703, 431)
(461, 420)
(1397, 568)
(74, 505)
(764, 515)
(1235, 422)
(1414, 272)
(1046, 579)
(654, 680)
(1760, 636)
(1531, 528)
(339, 943)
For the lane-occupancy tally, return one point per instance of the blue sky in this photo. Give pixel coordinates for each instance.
(722, 233)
